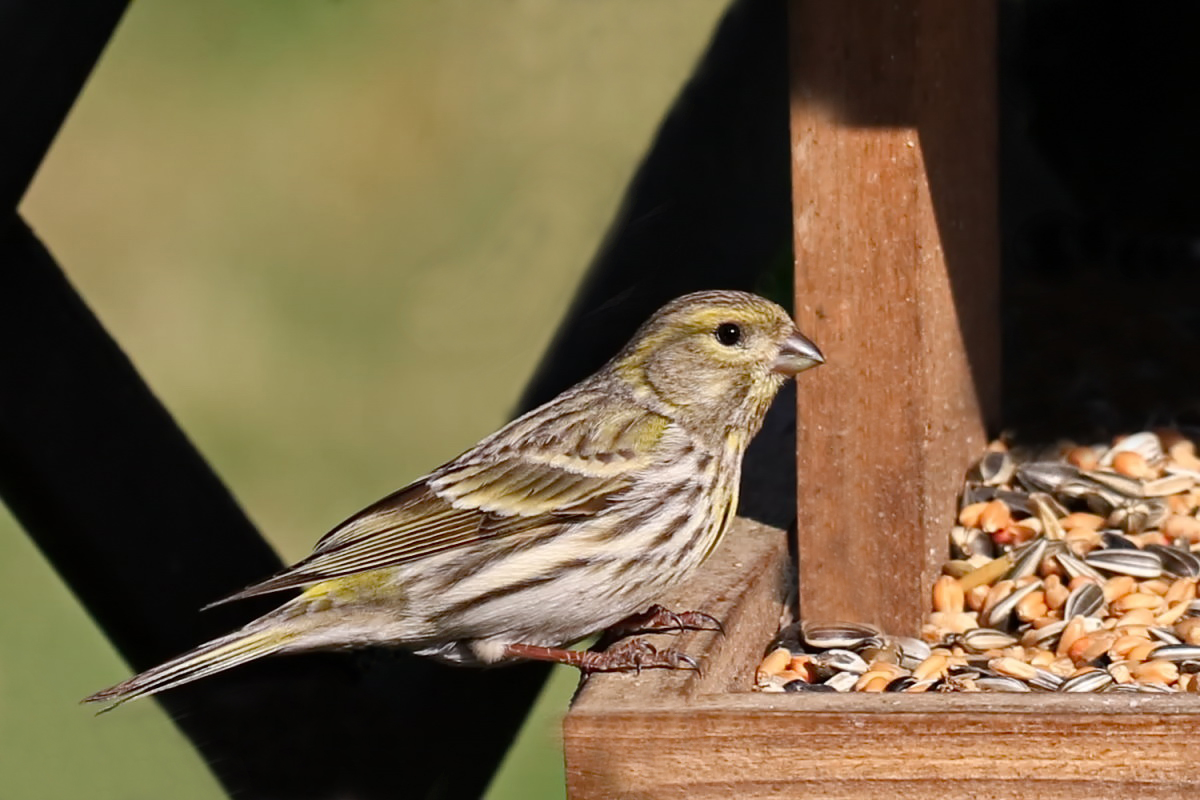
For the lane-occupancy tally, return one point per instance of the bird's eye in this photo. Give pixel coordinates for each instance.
(728, 334)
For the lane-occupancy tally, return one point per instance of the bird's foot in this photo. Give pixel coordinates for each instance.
(635, 655)
(657, 619)
(630, 655)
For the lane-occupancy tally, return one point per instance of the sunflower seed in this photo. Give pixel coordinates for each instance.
(1104, 502)
(843, 635)
(1076, 567)
(1146, 444)
(790, 638)
(964, 671)
(1046, 476)
(1138, 563)
(983, 639)
(976, 493)
(1174, 469)
(1045, 679)
(1130, 488)
(1165, 635)
(1085, 600)
(1047, 635)
(1001, 683)
(912, 651)
(1148, 688)
(1001, 613)
(1017, 502)
(805, 686)
(1115, 540)
(1138, 516)
(843, 681)
(900, 684)
(995, 468)
(1170, 484)
(1176, 652)
(1087, 682)
(1177, 562)
(969, 542)
(1028, 558)
(1048, 513)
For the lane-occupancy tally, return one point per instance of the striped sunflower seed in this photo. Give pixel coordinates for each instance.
(1138, 563)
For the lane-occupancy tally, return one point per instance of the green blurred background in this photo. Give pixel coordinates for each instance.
(335, 237)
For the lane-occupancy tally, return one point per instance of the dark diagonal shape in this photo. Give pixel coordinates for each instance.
(135, 521)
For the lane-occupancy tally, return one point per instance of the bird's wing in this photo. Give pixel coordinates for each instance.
(536, 472)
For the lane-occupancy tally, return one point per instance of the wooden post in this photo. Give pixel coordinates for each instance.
(894, 182)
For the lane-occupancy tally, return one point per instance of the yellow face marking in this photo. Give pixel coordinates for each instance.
(707, 319)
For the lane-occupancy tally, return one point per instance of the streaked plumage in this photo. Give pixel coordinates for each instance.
(567, 520)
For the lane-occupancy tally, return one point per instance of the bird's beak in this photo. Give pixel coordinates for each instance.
(796, 355)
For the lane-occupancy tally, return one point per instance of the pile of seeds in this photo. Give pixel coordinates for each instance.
(1075, 572)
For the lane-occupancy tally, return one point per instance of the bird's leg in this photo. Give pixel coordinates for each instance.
(657, 619)
(630, 655)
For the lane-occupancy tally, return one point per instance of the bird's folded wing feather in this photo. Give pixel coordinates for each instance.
(516, 481)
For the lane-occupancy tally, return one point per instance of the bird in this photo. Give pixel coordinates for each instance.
(565, 522)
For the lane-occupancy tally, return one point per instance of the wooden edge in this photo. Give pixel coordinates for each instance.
(897, 747)
(862, 704)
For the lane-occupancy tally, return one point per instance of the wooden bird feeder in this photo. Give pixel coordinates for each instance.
(897, 278)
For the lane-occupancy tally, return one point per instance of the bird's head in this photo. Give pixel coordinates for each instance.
(718, 356)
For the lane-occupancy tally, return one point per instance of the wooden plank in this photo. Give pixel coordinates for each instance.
(894, 175)
(682, 735)
(835, 747)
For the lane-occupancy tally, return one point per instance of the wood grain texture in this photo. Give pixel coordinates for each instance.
(835, 747)
(682, 735)
(894, 177)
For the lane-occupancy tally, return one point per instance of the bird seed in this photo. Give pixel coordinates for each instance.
(1074, 571)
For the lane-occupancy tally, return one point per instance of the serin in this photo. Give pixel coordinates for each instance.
(566, 521)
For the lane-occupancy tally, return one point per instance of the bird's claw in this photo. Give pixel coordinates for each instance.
(634, 655)
(658, 619)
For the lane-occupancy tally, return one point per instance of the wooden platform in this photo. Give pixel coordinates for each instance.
(687, 735)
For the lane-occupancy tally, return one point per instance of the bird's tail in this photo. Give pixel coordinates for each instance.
(209, 658)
